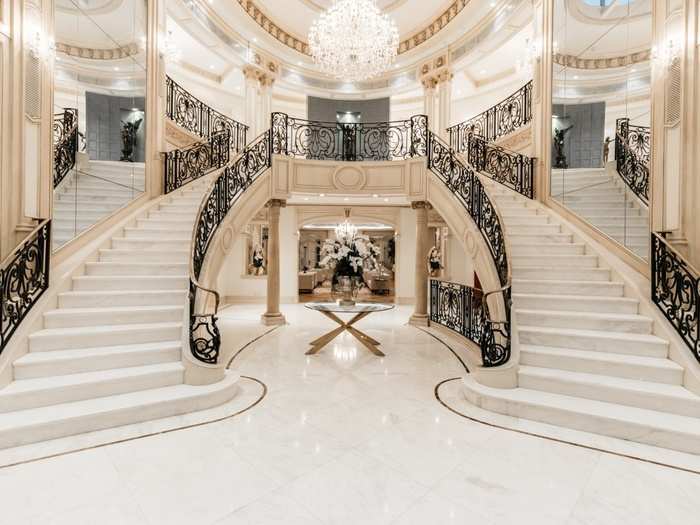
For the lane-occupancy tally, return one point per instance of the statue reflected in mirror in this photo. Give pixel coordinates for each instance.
(129, 131)
(559, 141)
(606, 150)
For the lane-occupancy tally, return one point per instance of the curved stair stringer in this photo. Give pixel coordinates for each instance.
(102, 348)
(595, 355)
(243, 210)
(476, 247)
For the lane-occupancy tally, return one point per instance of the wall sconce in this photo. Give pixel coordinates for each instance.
(170, 52)
(665, 55)
(39, 45)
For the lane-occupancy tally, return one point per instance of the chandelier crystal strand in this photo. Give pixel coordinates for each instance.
(353, 40)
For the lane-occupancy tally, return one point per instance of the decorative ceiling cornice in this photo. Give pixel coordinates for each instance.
(602, 63)
(419, 37)
(97, 54)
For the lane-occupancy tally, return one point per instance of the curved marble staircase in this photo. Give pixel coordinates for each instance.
(588, 359)
(110, 354)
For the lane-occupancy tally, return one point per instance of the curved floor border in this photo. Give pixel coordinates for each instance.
(542, 435)
(193, 415)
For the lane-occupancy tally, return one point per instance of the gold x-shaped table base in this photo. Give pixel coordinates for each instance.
(367, 341)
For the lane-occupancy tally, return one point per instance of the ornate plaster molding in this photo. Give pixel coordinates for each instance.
(602, 63)
(262, 69)
(98, 54)
(435, 71)
(296, 43)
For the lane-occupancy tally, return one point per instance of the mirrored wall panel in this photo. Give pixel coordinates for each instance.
(99, 111)
(601, 113)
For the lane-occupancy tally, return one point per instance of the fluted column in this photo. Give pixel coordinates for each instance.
(444, 103)
(273, 316)
(265, 104)
(420, 312)
(251, 101)
(429, 101)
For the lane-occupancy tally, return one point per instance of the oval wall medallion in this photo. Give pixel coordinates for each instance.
(227, 239)
(349, 178)
(471, 244)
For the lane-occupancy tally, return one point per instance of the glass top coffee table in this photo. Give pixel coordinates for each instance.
(361, 310)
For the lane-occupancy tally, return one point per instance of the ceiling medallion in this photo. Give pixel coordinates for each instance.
(353, 40)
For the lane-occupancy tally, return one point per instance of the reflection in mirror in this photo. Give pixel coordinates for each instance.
(99, 112)
(600, 115)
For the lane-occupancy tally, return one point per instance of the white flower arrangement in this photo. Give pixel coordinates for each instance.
(348, 255)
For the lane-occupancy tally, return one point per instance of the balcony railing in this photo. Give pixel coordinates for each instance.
(195, 116)
(65, 143)
(675, 289)
(498, 121)
(514, 170)
(185, 165)
(632, 155)
(24, 277)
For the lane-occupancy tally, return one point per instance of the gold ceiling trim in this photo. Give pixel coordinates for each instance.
(602, 63)
(97, 54)
(418, 38)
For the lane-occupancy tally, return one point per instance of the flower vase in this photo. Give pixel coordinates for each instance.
(346, 289)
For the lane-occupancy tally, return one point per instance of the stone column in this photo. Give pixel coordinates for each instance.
(265, 103)
(420, 312)
(429, 102)
(273, 316)
(251, 101)
(444, 104)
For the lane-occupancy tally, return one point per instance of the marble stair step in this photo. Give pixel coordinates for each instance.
(77, 361)
(585, 211)
(561, 273)
(551, 248)
(594, 340)
(555, 261)
(187, 216)
(171, 223)
(67, 419)
(155, 254)
(605, 322)
(575, 303)
(515, 213)
(179, 208)
(544, 229)
(112, 315)
(52, 390)
(657, 369)
(91, 200)
(533, 237)
(142, 233)
(635, 424)
(527, 220)
(101, 188)
(106, 298)
(648, 395)
(131, 282)
(112, 335)
(151, 244)
(136, 268)
(569, 287)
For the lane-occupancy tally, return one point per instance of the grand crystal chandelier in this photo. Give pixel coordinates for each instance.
(353, 40)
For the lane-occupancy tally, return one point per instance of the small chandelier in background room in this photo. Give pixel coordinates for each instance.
(346, 230)
(353, 40)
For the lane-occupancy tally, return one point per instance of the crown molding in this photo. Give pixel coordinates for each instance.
(602, 63)
(98, 54)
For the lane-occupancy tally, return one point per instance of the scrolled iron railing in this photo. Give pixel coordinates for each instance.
(507, 116)
(195, 116)
(24, 277)
(509, 168)
(185, 165)
(675, 289)
(282, 139)
(632, 154)
(205, 339)
(65, 143)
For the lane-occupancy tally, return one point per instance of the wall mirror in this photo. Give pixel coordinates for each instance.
(601, 109)
(99, 111)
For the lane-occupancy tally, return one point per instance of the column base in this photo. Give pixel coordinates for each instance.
(273, 319)
(419, 320)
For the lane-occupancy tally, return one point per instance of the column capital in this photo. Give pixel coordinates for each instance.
(276, 203)
(421, 205)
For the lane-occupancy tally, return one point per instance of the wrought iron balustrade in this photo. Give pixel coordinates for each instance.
(24, 277)
(507, 116)
(205, 339)
(65, 143)
(675, 289)
(632, 156)
(314, 140)
(185, 165)
(195, 116)
(506, 167)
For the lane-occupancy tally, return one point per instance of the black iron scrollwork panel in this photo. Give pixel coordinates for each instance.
(65, 144)
(195, 116)
(508, 168)
(632, 155)
(185, 165)
(24, 276)
(507, 116)
(675, 288)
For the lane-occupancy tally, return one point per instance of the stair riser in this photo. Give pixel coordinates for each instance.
(142, 232)
(154, 244)
(118, 336)
(562, 261)
(118, 283)
(576, 305)
(107, 300)
(573, 321)
(594, 344)
(611, 394)
(562, 274)
(152, 256)
(105, 188)
(123, 268)
(65, 319)
(585, 211)
(87, 200)
(544, 230)
(61, 367)
(602, 289)
(605, 368)
(103, 388)
(533, 238)
(547, 249)
(587, 423)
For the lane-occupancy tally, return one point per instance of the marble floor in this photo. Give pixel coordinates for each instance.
(345, 438)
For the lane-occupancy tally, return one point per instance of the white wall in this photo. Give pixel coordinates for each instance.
(481, 99)
(460, 267)
(406, 257)
(223, 99)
